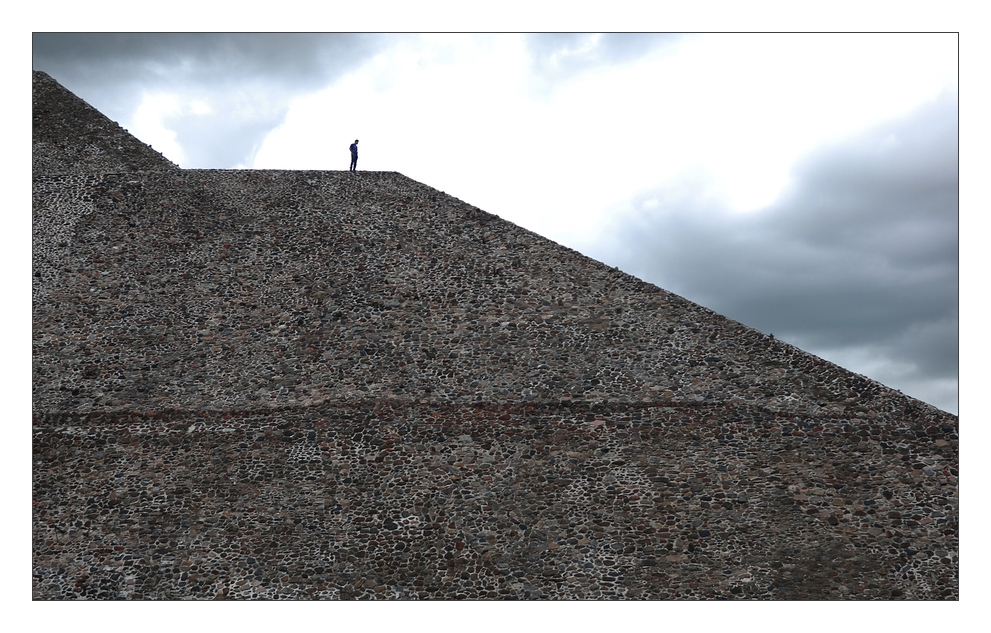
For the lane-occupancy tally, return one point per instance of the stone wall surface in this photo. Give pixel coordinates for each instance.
(302, 384)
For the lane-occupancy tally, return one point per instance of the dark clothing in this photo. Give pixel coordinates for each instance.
(354, 156)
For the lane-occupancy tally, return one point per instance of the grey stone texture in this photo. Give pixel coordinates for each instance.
(311, 384)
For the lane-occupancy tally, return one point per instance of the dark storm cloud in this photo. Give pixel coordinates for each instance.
(559, 56)
(257, 73)
(298, 60)
(861, 253)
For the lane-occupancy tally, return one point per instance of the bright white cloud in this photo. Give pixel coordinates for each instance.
(148, 124)
(458, 112)
(200, 107)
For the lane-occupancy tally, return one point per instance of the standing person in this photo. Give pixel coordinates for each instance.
(354, 155)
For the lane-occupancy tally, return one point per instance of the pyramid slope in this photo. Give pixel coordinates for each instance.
(330, 385)
(292, 288)
(70, 136)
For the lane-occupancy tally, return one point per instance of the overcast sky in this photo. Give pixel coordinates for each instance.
(805, 185)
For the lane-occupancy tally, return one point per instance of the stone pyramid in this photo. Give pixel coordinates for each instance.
(318, 384)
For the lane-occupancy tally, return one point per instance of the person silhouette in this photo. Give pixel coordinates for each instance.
(354, 155)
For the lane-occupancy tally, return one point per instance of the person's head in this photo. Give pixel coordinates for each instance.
(355, 140)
